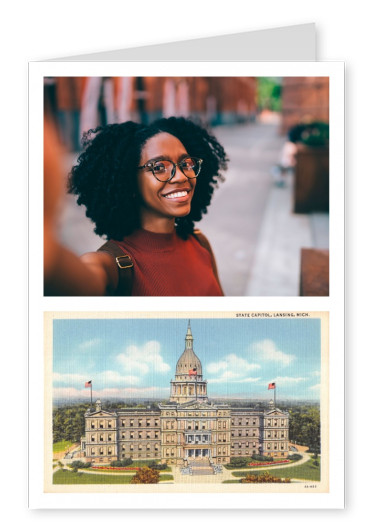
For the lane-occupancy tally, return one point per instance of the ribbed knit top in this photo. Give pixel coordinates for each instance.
(166, 265)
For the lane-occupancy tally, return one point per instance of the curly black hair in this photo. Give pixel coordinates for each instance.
(105, 176)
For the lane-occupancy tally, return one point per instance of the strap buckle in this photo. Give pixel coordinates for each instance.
(118, 258)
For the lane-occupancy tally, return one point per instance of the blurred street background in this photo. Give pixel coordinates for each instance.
(269, 220)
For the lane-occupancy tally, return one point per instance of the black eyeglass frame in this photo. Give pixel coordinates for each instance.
(150, 165)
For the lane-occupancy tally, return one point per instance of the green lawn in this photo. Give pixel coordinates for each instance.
(307, 471)
(168, 469)
(166, 477)
(255, 467)
(61, 446)
(65, 477)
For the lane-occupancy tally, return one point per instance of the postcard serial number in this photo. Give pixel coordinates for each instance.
(273, 314)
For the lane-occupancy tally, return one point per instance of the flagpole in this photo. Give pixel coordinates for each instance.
(273, 386)
(90, 384)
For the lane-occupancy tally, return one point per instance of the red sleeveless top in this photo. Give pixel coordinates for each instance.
(166, 265)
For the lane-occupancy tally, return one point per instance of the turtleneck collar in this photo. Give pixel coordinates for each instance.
(153, 241)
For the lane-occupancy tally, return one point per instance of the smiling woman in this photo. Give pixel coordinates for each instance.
(144, 187)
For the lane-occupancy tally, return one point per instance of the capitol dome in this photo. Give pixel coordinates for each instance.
(188, 361)
(188, 384)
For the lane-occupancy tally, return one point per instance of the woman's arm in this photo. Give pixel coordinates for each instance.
(68, 274)
(64, 272)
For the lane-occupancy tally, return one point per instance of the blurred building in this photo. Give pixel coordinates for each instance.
(304, 100)
(215, 100)
(82, 103)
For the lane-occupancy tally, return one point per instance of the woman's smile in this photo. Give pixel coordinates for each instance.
(181, 194)
(163, 201)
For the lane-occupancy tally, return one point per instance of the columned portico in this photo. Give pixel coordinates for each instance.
(197, 453)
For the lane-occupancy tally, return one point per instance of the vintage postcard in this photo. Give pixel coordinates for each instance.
(187, 403)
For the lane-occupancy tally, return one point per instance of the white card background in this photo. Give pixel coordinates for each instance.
(333, 303)
(36, 35)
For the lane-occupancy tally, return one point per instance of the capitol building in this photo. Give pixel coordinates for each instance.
(187, 428)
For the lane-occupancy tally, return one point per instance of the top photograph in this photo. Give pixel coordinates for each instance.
(186, 186)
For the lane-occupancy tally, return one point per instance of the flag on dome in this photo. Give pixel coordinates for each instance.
(271, 386)
(88, 384)
(192, 371)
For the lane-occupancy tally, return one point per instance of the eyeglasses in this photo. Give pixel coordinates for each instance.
(165, 170)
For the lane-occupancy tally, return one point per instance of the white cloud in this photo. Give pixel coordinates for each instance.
(288, 379)
(216, 366)
(142, 360)
(267, 350)
(231, 368)
(316, 387)
(133, 365)
(90, 343)
(70, 378)
(105, 377)
(112, 377)
(232, 362)
(136, 392)
(71, 393)
(230, 377)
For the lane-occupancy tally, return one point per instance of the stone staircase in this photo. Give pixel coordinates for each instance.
(201, 467)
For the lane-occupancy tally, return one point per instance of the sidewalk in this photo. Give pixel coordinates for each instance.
(256, 236)
(276, 266)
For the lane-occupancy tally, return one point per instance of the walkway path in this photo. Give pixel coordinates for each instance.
(235, 216)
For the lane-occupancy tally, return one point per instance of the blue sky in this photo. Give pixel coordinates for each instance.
(134, 358)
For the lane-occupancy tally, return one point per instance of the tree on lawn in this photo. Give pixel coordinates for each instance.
(305, 427)
(146, 475)
(69, 423)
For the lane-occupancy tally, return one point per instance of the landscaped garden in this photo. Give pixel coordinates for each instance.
(309, 471)
(260, 461)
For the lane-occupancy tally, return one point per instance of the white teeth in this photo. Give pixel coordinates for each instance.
(177, 194)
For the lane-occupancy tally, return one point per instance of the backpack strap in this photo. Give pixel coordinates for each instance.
(125, 264)
(204, 242)
(125, 268)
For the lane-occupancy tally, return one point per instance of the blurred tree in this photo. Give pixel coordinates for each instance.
(269, 92)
